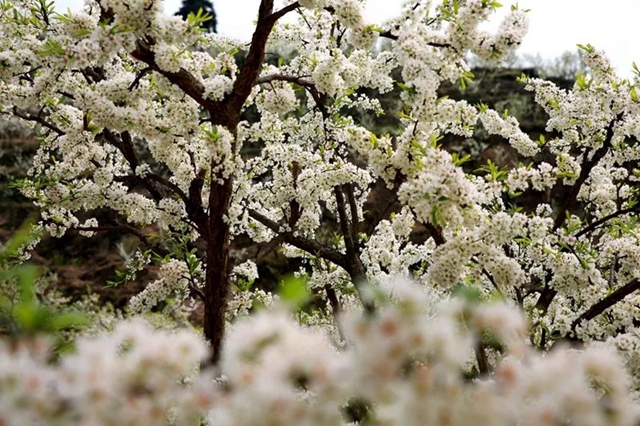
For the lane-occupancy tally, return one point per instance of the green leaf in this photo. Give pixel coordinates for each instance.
(458, 161)
(634, 94)
(482, 107)
(467, 293)
(369, 29)
(492, 4)
(374, 140)
(496, 175)
(583, 82)
(405, 88)
(68, 320)
(466, 79)
(293, 290)
(569, 175)
(196, 20)
(119, 29)
(553, 103)
(523, 79)
(437, 217)
(434, 139)
(21, 239)
(51, 48)
(542, 140)
(587, 48)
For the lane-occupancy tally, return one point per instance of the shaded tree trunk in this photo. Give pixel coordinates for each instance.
(216, 289)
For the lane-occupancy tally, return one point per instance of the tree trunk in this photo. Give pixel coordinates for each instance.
(216, 289)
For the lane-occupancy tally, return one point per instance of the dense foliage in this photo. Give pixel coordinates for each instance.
(149, 117)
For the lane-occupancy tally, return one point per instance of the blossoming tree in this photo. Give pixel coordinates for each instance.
(121, 82)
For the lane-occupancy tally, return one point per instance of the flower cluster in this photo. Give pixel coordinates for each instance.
(440, 193)
(134, 375)
(405, 365)
(175, 278)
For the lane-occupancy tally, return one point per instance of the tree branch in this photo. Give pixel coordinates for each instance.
(610, 300)
(594, 225)
(355, 221)
(194, 206)
(436, 233)
(255, 58)
(345, 228)
(155, 194)
(168, 184)
(481, 358)
(126, 229)
(36, 118)
(139, 77)
(124, 144)
(195, 290)
(587, 165)
(310, 246)
(309, 85)
(387, 34)
(187, 82)
(354, 264)
(548, 294)
(300, 81)
(279, 14)
(337, 310)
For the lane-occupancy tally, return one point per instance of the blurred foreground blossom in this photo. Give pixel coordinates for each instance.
(455, 362)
